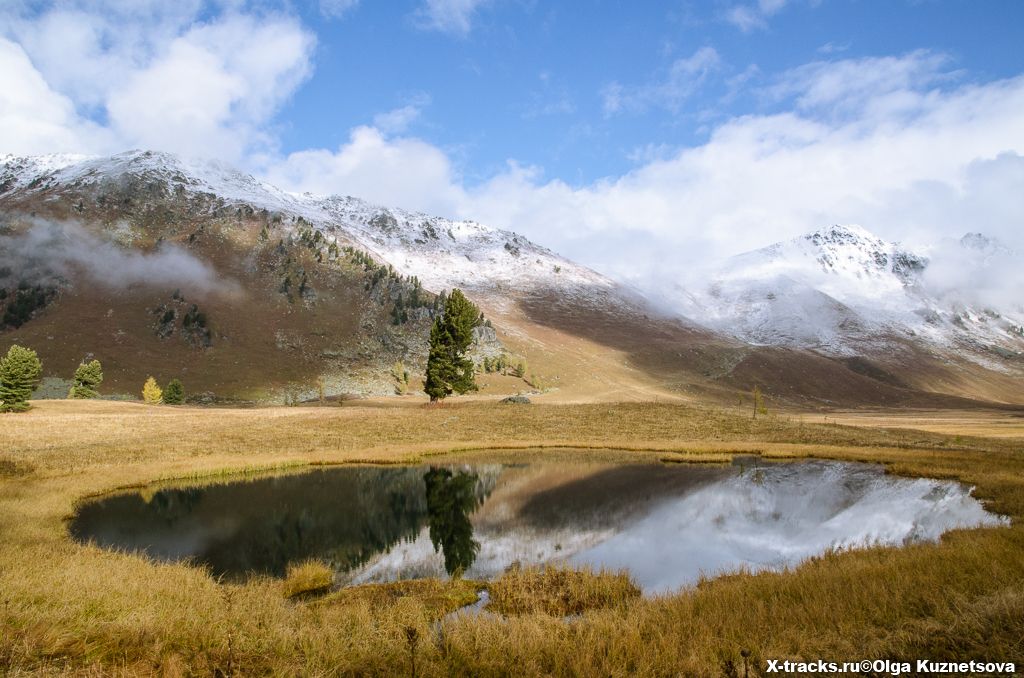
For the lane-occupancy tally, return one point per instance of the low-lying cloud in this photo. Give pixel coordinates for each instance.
(50, 253)
(976, 272)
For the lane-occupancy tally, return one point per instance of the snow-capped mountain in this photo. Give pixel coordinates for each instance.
(296, 290)
(844, 291)
(442, 253)
(326, 280)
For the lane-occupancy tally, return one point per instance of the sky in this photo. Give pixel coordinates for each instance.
(641, 138)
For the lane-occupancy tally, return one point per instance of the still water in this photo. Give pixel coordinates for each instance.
(666, 524)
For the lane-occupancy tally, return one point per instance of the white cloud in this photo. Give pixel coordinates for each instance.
(214, 88)
(103, 76)
(337, 8)
(683, 79)
(397, 121)
(943, 162)
(753, 17)
(833, 47)
(854, 84)
(33, 117)
(747, 19)
(391, 171)
(448, 16)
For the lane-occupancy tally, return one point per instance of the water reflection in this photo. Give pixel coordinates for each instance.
(666, 524)
(450, 500)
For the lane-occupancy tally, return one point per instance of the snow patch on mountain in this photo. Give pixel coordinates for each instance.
(844, 291)
(442, 253)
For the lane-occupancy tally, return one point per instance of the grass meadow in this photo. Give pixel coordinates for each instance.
(71, 609)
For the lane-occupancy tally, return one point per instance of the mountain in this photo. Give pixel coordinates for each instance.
(844, 292)
(841, 290)
(157, 264)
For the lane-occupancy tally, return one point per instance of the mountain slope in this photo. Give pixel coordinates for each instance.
(845, 293)
(156, 264)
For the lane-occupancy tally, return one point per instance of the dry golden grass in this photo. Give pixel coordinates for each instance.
(67, 608)
(437, 597)
(559, 591)
(307, 578)
(988, 424)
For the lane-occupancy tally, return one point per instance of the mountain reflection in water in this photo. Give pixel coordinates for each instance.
(666, 524)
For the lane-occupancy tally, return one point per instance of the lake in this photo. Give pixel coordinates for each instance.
(666, 524)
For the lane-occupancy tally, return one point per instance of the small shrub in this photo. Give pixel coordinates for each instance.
(401, 377)
(20, 370)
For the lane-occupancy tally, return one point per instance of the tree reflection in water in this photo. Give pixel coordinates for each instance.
(451, 498)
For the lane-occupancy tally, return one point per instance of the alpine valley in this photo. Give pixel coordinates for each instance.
(155, 264)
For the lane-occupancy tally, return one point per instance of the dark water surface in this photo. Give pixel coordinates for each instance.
(665, 524)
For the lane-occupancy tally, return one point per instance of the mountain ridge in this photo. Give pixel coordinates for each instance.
(296, 263)
(842, 290)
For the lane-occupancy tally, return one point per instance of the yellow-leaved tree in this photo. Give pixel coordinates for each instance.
(151, 393)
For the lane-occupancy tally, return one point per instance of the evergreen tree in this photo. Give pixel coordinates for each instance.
(151, 393)
(174, 394)
(19, 375)
(448, 369)
(88, 378)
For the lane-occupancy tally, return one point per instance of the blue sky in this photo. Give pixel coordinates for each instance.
(643, 139)
(528, 80)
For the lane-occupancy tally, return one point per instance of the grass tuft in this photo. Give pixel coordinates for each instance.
(559, 591)
(307, 579)
(436, 597)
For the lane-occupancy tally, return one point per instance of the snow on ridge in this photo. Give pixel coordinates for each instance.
(443, 253)
(840, 289)
(843, 290)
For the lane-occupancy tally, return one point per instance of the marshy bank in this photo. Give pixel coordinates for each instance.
(72, 608)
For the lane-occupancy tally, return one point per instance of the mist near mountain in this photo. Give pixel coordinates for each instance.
(975, 270)
(51, 252)
(842, 288)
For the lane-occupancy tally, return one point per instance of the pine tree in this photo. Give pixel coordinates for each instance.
(88, 378)
(19, 375)
(151, 393)
(448, 369)
(174, 394)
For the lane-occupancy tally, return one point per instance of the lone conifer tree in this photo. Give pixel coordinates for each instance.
(88, 378)
(448, 369)
(19, 376)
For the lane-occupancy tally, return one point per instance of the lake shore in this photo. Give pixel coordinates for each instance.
(70, 608)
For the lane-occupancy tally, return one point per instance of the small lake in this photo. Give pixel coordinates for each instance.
(666, 524)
